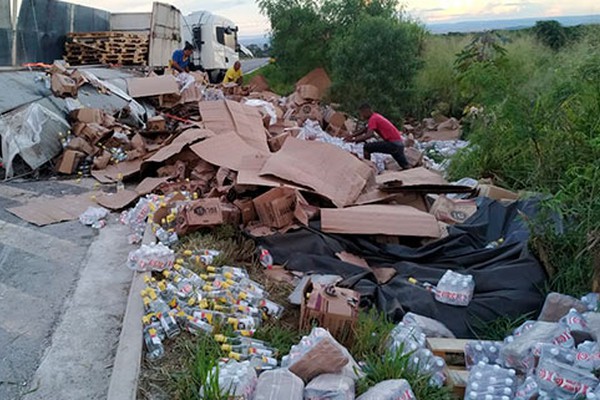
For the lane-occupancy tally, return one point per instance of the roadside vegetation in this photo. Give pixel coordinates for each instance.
(529, 101)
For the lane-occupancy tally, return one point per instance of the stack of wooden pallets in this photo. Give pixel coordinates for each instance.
(106, 48)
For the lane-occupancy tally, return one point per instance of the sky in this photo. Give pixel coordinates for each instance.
(246, 15)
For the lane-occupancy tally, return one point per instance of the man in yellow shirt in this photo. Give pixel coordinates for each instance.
(234, 74)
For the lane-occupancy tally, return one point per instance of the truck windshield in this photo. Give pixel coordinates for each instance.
(227, 37)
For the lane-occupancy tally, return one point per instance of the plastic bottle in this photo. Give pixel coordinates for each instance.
(562, 381)
(169, 325)
(455, 289)
(154, 346)
(490, 381)
(196, 325)
(120, 184)
(265, 258)
(228, 272)
(527, 390)
(243, 322)
(487, 352)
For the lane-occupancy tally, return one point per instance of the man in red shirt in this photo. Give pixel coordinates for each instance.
(392, 142)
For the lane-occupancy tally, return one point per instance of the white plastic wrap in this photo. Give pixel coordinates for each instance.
(93, 215)
(22, 130)
(279, 384)
(392, 389)
(154, 257)
(266, 107)
(330, 387)
(237, 379)
(431, 328)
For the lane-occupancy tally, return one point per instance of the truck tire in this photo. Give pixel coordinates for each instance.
(217, 75)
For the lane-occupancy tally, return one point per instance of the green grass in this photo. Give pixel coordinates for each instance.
(371, 334)
(279, 83)
(500, 328)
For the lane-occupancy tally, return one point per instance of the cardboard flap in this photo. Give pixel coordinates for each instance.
(453, 211)
(418, 179)
(44, 211)
(227, 150)
(324, 168)
(395, 220)
(318, 78)
(117, 201)
(152, 86)
(148, 185)
(177, 145)
(111, 173)
(225, 116)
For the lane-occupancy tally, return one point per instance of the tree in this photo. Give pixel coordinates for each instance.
(367, 46)
(551, 34)
(376, 61)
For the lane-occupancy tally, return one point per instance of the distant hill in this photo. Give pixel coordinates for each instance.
(509, 24)
(259, 40)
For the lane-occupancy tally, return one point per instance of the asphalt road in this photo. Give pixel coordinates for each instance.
(40, 270)
(251, 64)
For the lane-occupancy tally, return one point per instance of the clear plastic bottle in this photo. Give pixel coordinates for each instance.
(154, 346)
(490, 381)
(196, 325)
(265, 258)
(455, 289)
(169, 324)
(120, 184)
(487, 352)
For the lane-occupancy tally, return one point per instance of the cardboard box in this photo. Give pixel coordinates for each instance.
(58, 67)
(87, 115)
(80, 144)
(157, 123)
(453, 211)
(247, 210)
(204, 212)
(333, 308)
(309, 111)
(92, 132)
(276, 207)
(496, 193)
(308, 92)
(63, 86)
(69, 161)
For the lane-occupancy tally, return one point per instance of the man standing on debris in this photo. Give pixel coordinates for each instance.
(180, 60)
(234, 74)
(392, 142)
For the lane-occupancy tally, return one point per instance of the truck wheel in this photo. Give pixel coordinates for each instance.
(216, 76)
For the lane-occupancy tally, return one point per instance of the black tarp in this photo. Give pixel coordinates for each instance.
(508, 279)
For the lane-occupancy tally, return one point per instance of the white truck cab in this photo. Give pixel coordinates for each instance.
(215, 40)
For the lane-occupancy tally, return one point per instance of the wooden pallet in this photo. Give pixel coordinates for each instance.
(453, 352)
(107, 48)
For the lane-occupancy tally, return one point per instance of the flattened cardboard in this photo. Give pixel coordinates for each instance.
(227, 116)
(188, 137)
(352, 259)
(227, 150)
(317, 77)
(496, 193)
(117, 201)
(152, 86)
(418, 179)
(111, 173)
(396, 220)
(45, 211)
(453, 211)
(148, 185)
(324, 168)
